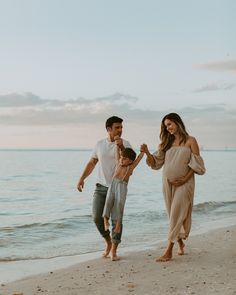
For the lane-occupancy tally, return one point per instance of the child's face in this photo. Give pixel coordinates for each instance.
(124, 161)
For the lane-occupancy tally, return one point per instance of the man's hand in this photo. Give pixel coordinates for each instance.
(80, 185)
(118, 141)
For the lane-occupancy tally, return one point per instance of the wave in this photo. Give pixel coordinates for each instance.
(24, 258)
(59, 223)
(210, 206)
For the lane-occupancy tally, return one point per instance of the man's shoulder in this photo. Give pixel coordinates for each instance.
(126, 143)
(102, 141)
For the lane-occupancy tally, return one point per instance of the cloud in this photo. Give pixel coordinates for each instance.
(30, 121)
(215, 87)
(219, 66)
(29, 109)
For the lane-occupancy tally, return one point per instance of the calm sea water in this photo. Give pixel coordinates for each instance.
(42, 215)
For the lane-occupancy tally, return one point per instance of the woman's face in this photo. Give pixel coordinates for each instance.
(171, 127)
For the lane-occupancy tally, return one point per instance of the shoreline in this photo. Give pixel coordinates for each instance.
(12, 271)
(207, 268)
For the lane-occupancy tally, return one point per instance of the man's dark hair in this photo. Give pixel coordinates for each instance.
(110, 121)
(129, 153)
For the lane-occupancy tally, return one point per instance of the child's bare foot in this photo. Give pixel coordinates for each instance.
(115, 258)
(117, 227)
(108, 248)
(106, 223)
(181, 247)
(164, 258)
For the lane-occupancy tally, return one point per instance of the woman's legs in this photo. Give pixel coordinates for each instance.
(181, 247)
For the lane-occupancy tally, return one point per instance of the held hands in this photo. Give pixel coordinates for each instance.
(118, 141)
(144, 148)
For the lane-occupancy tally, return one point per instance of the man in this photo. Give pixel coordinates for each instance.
(104, 155)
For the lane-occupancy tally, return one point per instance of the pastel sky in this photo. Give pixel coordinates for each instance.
(67, 65)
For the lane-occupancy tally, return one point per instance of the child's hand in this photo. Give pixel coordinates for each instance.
(118, 141)
(116, 137)
(144, 148)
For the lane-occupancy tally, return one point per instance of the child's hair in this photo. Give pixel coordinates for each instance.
(129, 153)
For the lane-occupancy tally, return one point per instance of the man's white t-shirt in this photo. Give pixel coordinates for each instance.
(104, 151)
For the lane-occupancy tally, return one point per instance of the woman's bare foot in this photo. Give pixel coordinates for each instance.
(106, 223)
(181, 247)
(164, 258)
(168, 253)
(115, 258)
(108, 248)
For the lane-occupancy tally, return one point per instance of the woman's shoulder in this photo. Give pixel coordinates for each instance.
(191, 140)
(193, 144)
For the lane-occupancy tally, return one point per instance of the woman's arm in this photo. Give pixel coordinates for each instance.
(150, 158)
(195, 150)
(194, 146)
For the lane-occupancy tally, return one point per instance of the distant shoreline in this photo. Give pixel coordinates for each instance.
(90, 149)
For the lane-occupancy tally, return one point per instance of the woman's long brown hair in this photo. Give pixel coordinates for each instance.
(166, 138)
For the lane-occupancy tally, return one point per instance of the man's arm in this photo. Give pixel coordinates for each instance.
(87, 171)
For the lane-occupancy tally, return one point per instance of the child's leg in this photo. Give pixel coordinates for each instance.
(119, 204)
(108, 207)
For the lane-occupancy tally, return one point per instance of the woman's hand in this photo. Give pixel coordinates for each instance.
(144, 148)
(179, 181)
(183, 179)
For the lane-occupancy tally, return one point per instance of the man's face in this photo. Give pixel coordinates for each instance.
(115, 129)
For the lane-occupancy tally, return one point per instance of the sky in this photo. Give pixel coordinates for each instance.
(67, 65)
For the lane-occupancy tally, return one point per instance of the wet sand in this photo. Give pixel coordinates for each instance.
(208, 267)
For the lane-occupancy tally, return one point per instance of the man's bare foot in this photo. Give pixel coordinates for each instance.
(108, 249)
(106, 223)
(117, 227)
(164, 258)
(181, 247)
(115, 258)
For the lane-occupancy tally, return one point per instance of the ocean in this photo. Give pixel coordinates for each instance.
(43, 216)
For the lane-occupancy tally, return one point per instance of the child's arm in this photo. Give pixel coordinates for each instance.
(137, 160)
(117, 155)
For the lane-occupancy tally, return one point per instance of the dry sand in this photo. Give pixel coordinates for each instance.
(209, 267)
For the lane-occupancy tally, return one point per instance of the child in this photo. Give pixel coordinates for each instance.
(126, 162)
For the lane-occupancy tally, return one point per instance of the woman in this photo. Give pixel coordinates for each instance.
(179, 155)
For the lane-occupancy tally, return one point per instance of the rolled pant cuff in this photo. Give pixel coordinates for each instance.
(116, 242)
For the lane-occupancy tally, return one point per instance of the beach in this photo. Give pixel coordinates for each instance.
(208, 267)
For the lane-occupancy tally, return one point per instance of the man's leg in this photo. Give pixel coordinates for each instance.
(116, 239)
(99, 199)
